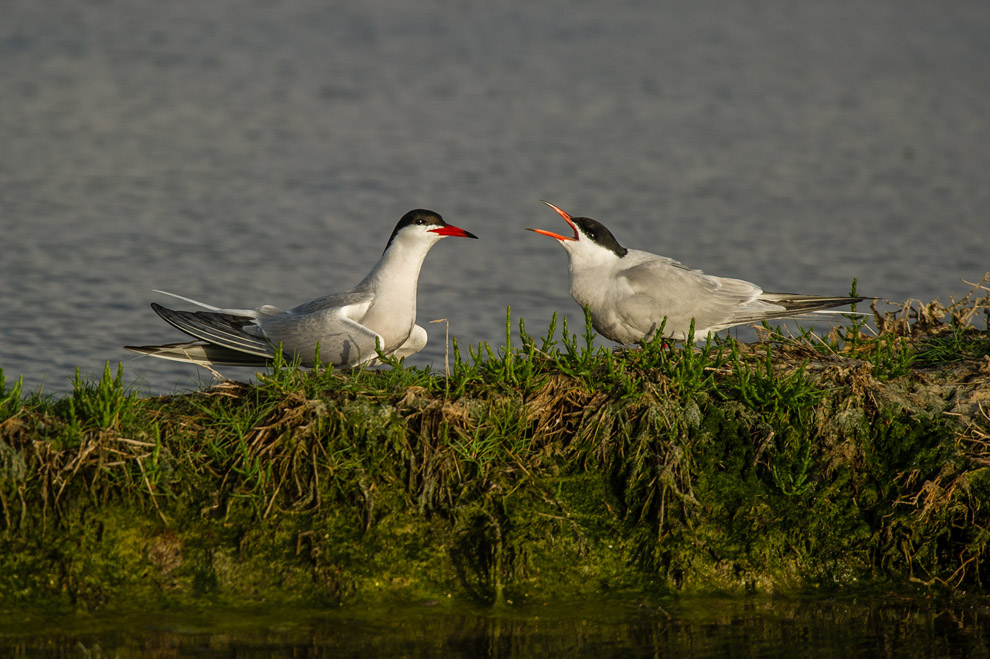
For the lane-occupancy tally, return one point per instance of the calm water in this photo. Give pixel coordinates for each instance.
(681, 628)
(252, 152)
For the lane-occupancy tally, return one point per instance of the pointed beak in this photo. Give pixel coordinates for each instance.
(557, 236)
(451, 230)
(544, 232)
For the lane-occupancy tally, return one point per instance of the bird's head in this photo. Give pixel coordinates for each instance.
(424, 226)
(591, 240)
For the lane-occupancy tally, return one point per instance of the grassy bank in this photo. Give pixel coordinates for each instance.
(541, 469)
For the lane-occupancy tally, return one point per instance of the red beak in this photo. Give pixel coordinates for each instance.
(557, 236)
(451, 230)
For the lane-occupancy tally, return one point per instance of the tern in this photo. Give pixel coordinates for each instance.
(344, 329)
(631, 294)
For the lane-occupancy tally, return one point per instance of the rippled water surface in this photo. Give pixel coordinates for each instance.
(249, 153)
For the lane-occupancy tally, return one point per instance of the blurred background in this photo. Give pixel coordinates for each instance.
(247, 153)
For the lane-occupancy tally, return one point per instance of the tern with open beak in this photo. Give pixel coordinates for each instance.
(630, 294)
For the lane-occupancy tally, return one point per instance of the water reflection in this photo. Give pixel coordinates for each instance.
(669, 628)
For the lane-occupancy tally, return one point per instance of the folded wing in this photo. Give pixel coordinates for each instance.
(232, 332)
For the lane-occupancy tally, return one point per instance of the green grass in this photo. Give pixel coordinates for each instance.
(10, 398)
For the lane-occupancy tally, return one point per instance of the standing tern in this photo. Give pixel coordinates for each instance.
(629, 293)
(345, 327)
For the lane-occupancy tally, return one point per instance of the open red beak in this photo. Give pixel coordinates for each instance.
(557, 236)
(451, 230)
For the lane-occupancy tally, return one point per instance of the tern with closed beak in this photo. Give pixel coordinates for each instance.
(346, 328)
(631, 294)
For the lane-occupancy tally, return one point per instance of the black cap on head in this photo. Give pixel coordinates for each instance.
(419, 216)
(599, 233)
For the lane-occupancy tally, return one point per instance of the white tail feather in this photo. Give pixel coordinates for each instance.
(190, 300)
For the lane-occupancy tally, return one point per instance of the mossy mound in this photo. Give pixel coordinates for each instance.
(548, 471)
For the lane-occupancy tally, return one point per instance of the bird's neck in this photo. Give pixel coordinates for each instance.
(394, 281)
(593, 277)
(398, 269)
(597, 263)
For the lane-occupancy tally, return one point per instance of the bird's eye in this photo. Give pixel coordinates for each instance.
(592, 235)
(420, 221)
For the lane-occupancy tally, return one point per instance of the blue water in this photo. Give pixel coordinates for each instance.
(244, 153)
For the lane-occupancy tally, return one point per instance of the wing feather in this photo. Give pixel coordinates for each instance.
(342, 341)
(250, 337)
(197, 352)
(664, 288)
(225, 330)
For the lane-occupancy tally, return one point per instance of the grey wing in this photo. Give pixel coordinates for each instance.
(332, 301)
(664, 288)
(230, 331)
(341, 340)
